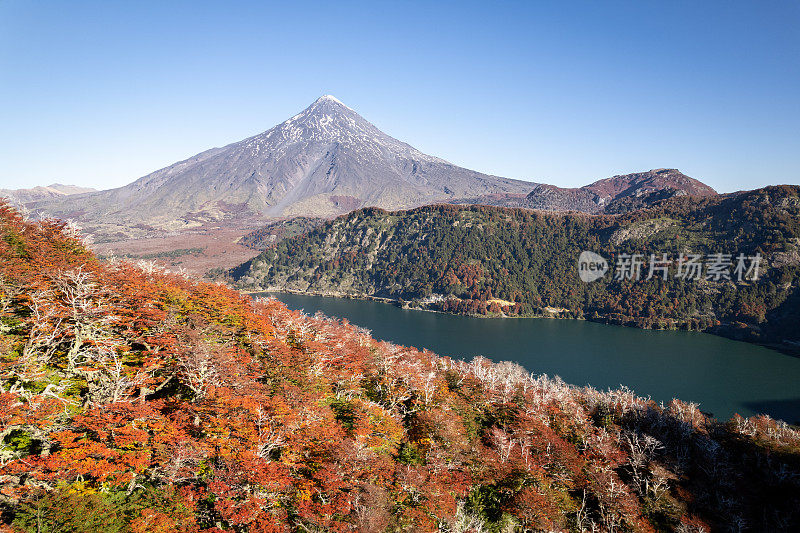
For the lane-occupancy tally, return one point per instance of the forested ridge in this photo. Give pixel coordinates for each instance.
(133, 399)
(489, 260)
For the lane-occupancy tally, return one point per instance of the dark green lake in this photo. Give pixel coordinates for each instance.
(722, 375)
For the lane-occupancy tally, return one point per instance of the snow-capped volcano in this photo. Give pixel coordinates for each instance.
(328, 120)
(324, 161)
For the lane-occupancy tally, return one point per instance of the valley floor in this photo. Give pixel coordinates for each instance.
(198, 251)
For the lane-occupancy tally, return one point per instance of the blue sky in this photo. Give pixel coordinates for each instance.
(101, 93)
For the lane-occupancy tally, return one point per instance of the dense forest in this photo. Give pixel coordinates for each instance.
(489, 260)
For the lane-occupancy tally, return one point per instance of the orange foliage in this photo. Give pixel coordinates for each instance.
(125, 380)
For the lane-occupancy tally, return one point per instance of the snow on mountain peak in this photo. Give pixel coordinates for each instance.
(330, 98)
(329, 102)
(328, 121)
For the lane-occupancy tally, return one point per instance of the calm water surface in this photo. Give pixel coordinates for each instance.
(724, 376)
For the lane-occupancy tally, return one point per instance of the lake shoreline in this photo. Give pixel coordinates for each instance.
(727, 331)
(724, 376)
(402, 304)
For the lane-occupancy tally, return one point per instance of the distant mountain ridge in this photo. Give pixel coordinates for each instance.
(324, 161)
(617, 194)
(35, 194)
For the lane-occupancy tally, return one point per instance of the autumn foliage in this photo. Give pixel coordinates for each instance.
(133, 399)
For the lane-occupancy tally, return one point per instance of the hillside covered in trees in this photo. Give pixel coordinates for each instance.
(136, 400)
(132, 399)
(489, 260)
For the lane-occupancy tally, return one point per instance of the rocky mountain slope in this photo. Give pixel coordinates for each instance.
(35, 194)
(618, 194)
(323, 161)
(480, 260)
(262, 238)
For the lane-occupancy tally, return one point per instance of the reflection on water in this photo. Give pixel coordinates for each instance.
(724, 376)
